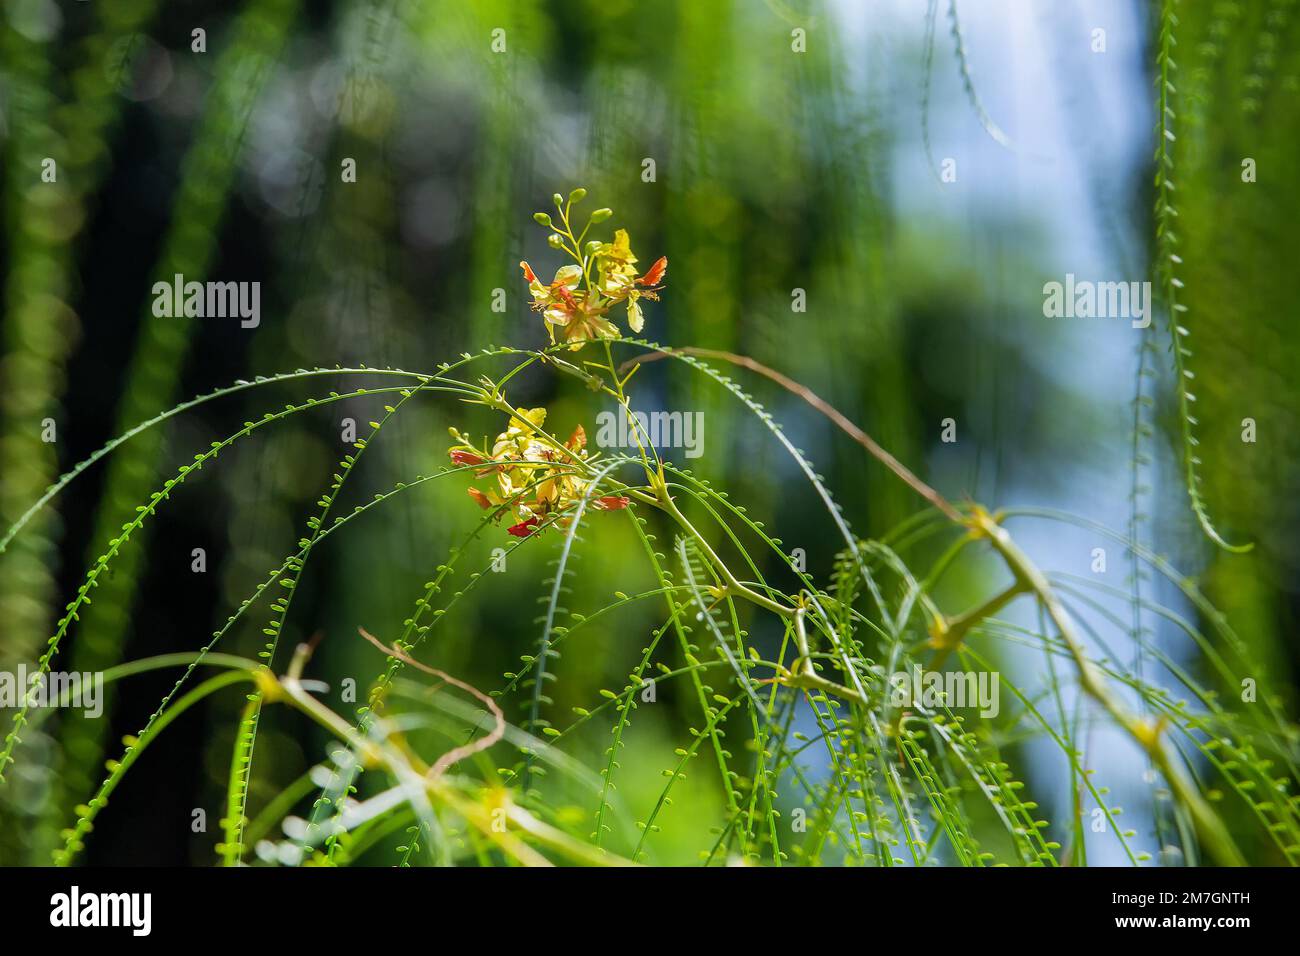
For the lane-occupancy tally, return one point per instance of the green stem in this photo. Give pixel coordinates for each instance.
(1209, 826)
(733, 584)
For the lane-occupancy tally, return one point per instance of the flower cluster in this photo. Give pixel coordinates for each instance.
(604, 274)
(536, 477)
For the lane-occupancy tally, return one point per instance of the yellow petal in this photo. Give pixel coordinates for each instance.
(622, 249)
(568, 276)
(536, 417)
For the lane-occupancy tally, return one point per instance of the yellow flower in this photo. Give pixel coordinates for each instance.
(616, 257)
(536, 477)
(578, 313)
(577, 303)
(556, 301)
(619, 281)
(588, 322)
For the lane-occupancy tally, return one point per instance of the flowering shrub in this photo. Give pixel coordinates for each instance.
(603, 275)
(537, 477)
(888, 757)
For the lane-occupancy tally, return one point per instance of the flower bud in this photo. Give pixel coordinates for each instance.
(542, 219)
(600, 215)
(559, 200)
(555, 240)
(578, 195)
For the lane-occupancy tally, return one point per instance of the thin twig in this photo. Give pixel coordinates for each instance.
(456, 754)
(807, 394)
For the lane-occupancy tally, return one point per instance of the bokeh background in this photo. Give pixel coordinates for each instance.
(775, 169)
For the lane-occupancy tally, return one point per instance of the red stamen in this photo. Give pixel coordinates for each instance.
(559, 289)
